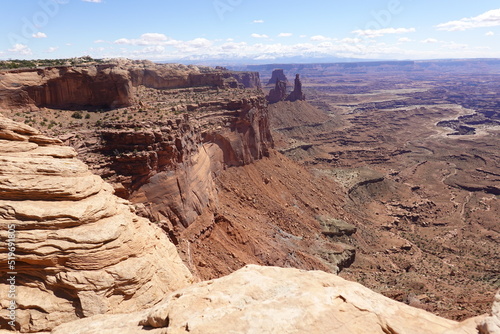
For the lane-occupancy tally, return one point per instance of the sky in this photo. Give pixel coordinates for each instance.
(250, 30)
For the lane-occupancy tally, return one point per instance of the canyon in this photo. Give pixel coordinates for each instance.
(204, 178)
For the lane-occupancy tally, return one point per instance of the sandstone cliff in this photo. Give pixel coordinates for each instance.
(109, 85)
(274, 300)
(79, 250)
(66, 87)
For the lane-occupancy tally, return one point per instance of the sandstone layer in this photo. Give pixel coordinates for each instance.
(274, 300)
(78, 249)
(107, 85)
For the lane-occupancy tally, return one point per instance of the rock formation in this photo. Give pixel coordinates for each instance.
(278, 75)
(274, 300)
(66, 87)
(296, 94)
(278, 93)
(107, 85)
(170, 165)
(78, 250)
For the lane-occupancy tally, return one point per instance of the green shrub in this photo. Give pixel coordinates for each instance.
(77, 115)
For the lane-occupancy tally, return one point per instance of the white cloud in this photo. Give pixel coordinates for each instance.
(429, 41)
(21, 49)
(285, 34)
(52, 49)
(259, 36)
(490, 33)
(404, 39)
(147, 39)
(39, 35)
(303, 36)
(94, 1)
(258, 21)
(318, 38)
(351, 40)
(381, 32)
(488, 19)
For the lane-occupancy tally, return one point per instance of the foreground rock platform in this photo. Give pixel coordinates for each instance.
(274, 300)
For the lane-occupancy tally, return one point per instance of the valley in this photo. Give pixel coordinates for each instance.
(386, 173)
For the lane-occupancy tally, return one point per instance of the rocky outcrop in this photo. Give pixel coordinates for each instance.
(66, 87)
(274, 300)
(76, 249)
(246, 79)
(108, 85)
(278, 93)
(296, 94)
(277, 75)
(170, 165)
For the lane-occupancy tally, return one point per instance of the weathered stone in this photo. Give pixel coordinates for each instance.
(79, 250)
(274, 300)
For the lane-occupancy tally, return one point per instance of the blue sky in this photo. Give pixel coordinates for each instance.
(250, 29)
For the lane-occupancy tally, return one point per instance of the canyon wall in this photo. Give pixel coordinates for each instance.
(171, 165)
(107, 85)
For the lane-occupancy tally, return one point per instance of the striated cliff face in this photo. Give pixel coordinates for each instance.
(170, 166)
(66, 87)
(108, 85)
(78, 250)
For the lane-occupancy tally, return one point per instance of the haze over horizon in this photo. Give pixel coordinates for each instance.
(235, 31)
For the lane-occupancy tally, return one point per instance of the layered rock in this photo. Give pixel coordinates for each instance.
(66, 87)
(78, 250)
(277, 75)
(109, 85)
(274, 300)
(170, 166)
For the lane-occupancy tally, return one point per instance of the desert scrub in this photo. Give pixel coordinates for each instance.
(77, 115)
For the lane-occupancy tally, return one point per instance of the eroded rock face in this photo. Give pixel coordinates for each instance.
(79, 250)
(66, 87)
(274, 300)
(109, 85)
